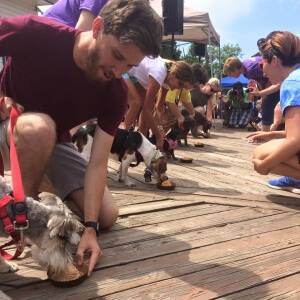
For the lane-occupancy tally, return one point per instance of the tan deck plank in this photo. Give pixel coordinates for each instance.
(232, 263)
(140, 246)
(221, 233)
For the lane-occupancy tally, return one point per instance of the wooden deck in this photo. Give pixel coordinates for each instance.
(222, 234)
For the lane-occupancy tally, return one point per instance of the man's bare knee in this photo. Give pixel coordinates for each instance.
(36, 127)
(109, 221)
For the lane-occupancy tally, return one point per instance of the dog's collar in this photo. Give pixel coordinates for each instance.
(172, 144)
(156, 156)
(8, 209)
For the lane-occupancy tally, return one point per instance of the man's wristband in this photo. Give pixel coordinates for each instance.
(94, 225)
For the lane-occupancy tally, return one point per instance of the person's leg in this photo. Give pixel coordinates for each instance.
(233, 118)
(290, 167)
(245, 116)
(66, 172)
(277, 118)
(109, 211)
(34, 137)
(134, 103)
(267, 109)
(143, 126)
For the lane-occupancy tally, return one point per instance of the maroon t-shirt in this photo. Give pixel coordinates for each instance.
(41, 75)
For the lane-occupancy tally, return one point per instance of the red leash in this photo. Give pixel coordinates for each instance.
(16, 230)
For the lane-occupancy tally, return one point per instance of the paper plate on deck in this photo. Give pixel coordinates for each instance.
(199, 145)
(66, 280)
(186, 159)
(166, 185)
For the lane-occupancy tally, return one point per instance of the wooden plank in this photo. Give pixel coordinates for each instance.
(217, 281)
(224, 265)
(285, 288)
(137, 244)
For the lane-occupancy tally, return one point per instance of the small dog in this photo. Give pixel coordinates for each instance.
(128, 146)
(51, 233)
(170, 142)
(183, 130)
(199, 120)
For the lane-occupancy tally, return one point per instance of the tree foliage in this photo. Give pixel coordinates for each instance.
(167, 51)
(213, 57)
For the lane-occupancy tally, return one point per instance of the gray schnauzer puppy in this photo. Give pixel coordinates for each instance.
(51, 233)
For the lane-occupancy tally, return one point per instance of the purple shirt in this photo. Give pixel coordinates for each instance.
(42, 75)
(68, 11)
(253, 71)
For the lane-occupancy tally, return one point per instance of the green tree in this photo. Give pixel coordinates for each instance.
(167, 51)
(212, 55)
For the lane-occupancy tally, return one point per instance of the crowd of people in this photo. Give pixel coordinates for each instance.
(108, 67)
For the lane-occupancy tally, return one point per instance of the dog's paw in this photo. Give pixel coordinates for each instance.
(8, 267)
(129, 183)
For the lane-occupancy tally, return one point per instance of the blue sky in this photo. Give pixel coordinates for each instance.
(243, 22)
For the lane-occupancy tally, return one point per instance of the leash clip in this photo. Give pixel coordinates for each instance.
(20, 227)
(21, 243)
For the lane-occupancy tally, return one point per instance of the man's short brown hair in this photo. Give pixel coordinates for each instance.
(231, 64)
(134, 21)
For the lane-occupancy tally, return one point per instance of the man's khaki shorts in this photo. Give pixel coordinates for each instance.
(66, 168)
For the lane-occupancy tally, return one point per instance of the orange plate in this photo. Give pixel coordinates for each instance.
(66, 284)
(186, 160)
(200, 145)
(166, 188)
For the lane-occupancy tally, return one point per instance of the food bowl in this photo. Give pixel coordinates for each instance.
(199, 145)
(73, 276)
(166, 185)
(186, 159)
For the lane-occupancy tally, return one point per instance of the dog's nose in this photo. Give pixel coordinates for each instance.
(164, 177)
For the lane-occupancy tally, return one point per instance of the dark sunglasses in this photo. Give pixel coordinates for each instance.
(212, 90)
(261, 64)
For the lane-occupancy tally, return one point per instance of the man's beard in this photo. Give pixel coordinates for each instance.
(92, 67)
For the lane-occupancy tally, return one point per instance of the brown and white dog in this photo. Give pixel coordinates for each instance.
(51, 232)
(128, 146)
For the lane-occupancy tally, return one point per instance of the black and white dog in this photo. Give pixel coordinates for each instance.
(128, 146)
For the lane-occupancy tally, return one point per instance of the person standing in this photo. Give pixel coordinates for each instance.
(250, 67)
(75, 13)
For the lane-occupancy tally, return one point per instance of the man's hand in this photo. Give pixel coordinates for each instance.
(259, 167)
(88, 243)
(6, 106)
